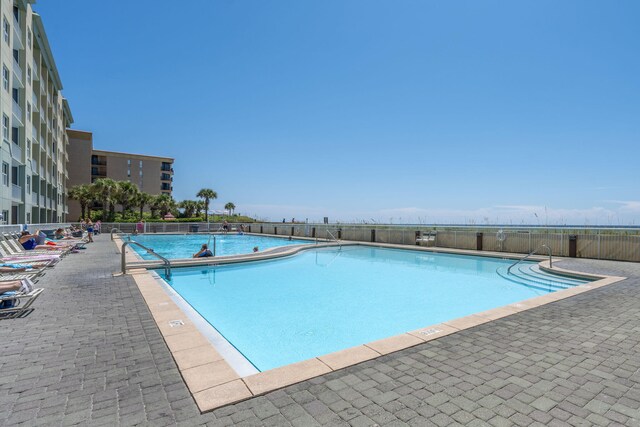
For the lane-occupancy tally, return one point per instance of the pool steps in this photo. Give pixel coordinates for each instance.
(530, 275)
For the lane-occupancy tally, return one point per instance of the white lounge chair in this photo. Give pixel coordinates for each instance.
(22, 301)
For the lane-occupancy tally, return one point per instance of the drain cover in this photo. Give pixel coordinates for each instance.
(176, 323)
(430, 331)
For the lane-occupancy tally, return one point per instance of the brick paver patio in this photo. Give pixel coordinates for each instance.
(90, 353)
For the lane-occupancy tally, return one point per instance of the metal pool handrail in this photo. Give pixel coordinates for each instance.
(166, 262)
(531, 253)
(334, 238)
(116, 230)
(214, 243)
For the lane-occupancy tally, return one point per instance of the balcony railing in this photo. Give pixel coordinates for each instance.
(16, 192)
(17, 35)
(42, 171)
(42, 201)
(17, 111)
(34, 199)
(16, 152)
(17, 71)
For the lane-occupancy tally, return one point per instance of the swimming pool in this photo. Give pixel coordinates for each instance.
(324, 300)
(175, 246)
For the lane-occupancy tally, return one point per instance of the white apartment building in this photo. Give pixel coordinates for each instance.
(34, 117)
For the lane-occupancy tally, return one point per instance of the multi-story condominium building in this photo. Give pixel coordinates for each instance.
(152, 174)
(34, 117)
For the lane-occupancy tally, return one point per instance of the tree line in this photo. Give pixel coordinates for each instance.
(110, 193)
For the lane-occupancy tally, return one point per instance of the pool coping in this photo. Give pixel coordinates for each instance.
(213, 383)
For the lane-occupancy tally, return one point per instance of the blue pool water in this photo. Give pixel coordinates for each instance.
(323, 300)
(174, 246)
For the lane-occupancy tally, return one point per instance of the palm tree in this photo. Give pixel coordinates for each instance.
(153, 205)
(103, 190)
(82, 194)
(125, 195)
(189, 207)
(207, 194)
(230, 207)
(199, 207)
(141, 200)
(164, 203)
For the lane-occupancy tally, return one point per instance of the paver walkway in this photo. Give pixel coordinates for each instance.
(91, 354)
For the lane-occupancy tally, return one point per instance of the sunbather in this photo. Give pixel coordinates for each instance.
(29, 242)
(24, 285)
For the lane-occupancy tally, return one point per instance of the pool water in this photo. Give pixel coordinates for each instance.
(325, 299)
(174, 246)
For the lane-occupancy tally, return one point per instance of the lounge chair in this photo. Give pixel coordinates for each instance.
(23, 301)
(7, 254)
(17, 248)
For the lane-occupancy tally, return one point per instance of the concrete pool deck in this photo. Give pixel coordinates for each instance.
(91, 353)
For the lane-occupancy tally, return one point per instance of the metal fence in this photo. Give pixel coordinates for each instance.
(621, 244)
(13, 228)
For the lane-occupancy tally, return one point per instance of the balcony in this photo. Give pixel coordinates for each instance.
(16, 152)
(34, 199)
(17, 35)
(42, 201)
(17, 112)
(16, 192)
(17, 74)
(34, 102)
(42, 171)
(36, 72)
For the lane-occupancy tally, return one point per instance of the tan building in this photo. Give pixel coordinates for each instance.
(152, 174)
(34, 115)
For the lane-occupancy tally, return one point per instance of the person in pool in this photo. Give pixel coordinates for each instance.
(204, 252)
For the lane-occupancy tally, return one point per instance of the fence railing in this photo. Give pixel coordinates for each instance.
(621, 244)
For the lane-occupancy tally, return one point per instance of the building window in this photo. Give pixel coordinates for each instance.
(28, 183)
(5, 78)
(5, 127)
(29, 218)
(28, 149)
(129, 169)
(6, 30)
(5, 217)
(28, 111)
(15, 135)
(15, 95)
(29, 38)
(29, 74)
(5, 174)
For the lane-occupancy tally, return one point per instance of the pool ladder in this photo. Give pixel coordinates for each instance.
(165, 261)
(333, 238)
(530, 254)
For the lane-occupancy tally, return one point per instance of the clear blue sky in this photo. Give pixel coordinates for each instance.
(409, 111)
